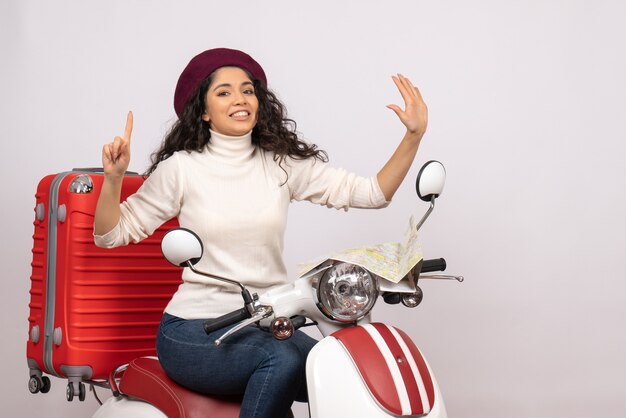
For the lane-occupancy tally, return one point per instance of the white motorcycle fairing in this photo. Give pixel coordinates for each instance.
(123, 407)
(371, 371)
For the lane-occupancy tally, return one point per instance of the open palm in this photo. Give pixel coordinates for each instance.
(415, 113)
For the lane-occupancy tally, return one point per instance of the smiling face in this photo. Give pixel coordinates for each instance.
(231, 105)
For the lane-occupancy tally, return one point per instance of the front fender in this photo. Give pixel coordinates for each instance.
(372, 370)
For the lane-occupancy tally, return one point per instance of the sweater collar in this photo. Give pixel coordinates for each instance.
(231, 149)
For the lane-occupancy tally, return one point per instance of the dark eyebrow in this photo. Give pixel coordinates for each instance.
(245, 83)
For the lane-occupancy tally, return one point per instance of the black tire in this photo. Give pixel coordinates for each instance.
(69, 392)
(34, 384)
(82, 393)
(45, 388)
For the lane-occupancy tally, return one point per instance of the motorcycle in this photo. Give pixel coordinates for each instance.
(360, 368)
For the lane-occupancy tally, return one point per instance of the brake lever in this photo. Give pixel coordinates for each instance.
(441, 277)
(261, 313)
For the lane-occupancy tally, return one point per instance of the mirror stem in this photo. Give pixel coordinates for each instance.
(427, 214)
(212, 276)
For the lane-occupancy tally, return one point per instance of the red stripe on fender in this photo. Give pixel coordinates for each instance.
(404, 366)
(372, 366)
(421, 366)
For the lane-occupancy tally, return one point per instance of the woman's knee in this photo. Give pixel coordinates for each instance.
(286, 361)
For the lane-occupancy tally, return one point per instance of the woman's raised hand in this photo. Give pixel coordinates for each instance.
(116, 155)
(415, 118)
(415, 113)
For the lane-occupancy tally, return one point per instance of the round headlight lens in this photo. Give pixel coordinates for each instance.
(347, 292)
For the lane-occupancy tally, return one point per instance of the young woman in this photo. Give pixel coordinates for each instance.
(227, 170)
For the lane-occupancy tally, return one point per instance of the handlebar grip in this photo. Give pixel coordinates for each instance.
(435, 264)
(230, 318)
(392, 298)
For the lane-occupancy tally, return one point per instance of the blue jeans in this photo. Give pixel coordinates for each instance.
(270, 374)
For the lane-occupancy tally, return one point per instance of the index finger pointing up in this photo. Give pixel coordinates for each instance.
(128, 130)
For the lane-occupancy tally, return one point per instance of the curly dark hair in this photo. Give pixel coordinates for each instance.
(273, 131)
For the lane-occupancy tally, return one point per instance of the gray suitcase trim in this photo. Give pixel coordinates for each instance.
(51, 277)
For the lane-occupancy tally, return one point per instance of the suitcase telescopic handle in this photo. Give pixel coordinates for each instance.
(101, 170)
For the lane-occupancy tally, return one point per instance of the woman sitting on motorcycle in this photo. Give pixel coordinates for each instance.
(227, 170)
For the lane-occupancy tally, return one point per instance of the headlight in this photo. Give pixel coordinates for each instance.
(346, 292)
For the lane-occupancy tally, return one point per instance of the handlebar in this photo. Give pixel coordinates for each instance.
(428, 266)
(210, 325)
(225, 320)
(435, 264)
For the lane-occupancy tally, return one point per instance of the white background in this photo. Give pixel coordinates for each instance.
(527, 105)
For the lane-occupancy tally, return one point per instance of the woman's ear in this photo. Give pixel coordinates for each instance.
(205, 117)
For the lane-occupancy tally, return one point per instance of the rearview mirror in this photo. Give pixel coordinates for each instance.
(181, 246)
(430, 180)
(429, 185)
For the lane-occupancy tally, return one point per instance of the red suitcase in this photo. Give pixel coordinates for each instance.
(91, 309)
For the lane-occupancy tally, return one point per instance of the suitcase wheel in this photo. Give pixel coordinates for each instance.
(39, 384)
(45, 388)
(34, 384)
(81, 392)
(70, 391)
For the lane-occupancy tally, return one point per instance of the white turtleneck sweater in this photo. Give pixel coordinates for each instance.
(232, 195)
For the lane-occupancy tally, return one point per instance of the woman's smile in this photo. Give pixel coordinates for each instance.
(231, 103)
(241, 115)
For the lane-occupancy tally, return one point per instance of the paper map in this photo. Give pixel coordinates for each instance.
(391, 261)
